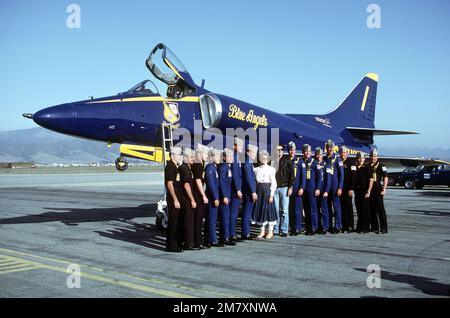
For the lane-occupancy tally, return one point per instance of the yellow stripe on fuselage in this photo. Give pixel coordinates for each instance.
(189, 99)
(363, 105)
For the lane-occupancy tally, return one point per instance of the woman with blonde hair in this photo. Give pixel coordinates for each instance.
(264, 211)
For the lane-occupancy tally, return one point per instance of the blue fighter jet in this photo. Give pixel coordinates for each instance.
(135, 119)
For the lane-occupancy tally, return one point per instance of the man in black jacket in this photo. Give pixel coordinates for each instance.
(285, 180)
(348, 222)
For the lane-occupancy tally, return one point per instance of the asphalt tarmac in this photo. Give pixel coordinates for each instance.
(103, 225)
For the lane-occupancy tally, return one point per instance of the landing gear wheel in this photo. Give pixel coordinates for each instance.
(121, 163)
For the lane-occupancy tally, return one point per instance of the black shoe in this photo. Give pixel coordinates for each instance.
(283, 235)
(383, 232)
(175, 250)
(307, 233)
(229, 243)
(247, 238)
(214, 245)
(302, 231)
(208, 246)
(294, 233)
(323, 232)
(314, 232)
(221, 244)
(236, 239)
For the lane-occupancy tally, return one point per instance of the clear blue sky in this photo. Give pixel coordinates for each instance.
(289, 56)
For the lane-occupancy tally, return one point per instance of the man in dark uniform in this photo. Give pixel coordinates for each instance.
(285, 182)
(377, 189)
(249, 190)
(322, 199)
(225, 180)
(295, 200)
(236, 187)
(212, 192)
(361, 187)
(348, 222)
(198, 170)
(312, 191)
(174, 193)
(335, 168)
(188, 204)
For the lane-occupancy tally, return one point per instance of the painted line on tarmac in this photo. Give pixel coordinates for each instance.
(10, 264)
(118, 282)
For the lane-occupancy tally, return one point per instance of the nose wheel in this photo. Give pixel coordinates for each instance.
(121, 163)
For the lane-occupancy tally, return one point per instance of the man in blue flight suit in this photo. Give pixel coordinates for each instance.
(225, 180)
(249, 190)
(236, 187)
(312, 190)
(322, 199)
(295, 200)
(212, 192)
(335, 167)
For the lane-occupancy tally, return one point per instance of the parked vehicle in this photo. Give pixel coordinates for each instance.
(416, 178)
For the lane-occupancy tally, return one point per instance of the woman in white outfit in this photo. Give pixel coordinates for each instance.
(264, 211)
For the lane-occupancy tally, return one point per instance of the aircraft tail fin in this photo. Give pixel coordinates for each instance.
(354, 117)
(358, 108)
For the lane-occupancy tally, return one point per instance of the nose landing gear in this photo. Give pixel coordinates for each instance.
(121, 163)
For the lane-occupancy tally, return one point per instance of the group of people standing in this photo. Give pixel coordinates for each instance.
(294, 194)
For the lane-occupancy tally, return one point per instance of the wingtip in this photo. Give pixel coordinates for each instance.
(373, 76)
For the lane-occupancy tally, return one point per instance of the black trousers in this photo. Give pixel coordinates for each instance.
(378, 219)
(362, 209)
(173, 238)
(188, 222)
(348, 220)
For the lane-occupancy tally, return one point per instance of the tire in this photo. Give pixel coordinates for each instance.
(392, 181)
(409, 184)
(160, 223)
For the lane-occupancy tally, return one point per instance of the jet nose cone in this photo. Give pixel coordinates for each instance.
(58, 118)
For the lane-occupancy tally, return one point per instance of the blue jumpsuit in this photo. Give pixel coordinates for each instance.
(212, 192)
(335, 167)
(225, 179)
(323, 202)
(313, 183)
(295, 201)
(236, 186)
(248, 187)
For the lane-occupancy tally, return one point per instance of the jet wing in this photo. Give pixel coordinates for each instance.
(397, 162)
(401, 162)
(379, 132)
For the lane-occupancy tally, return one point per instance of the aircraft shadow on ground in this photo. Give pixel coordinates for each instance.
(427, 285)
(429, 212)
(75, 216)
(445, 194)
(146, 235)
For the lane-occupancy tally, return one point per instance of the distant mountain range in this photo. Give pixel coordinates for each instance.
(42, 146)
